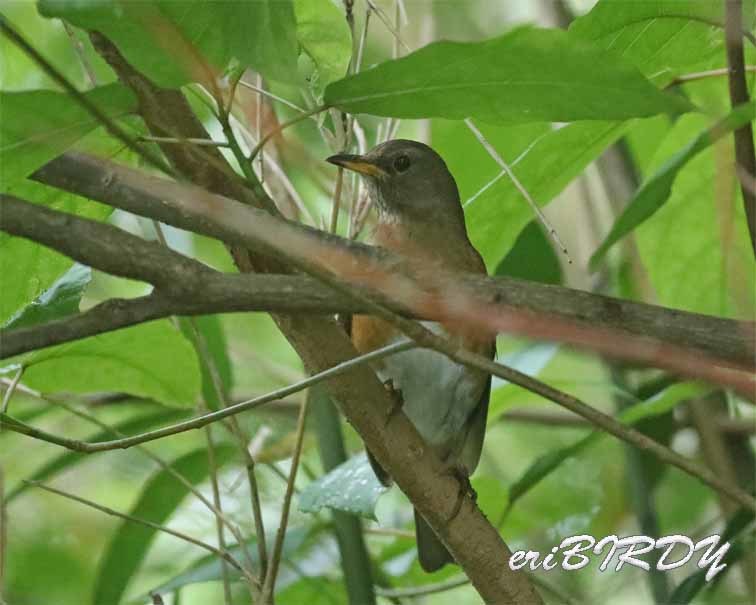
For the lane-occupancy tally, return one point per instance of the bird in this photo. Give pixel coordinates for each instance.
(420, 216)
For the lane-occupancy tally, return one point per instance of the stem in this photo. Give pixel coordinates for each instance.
(275, 560)
(745, 155)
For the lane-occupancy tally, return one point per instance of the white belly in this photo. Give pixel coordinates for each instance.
(438, 394)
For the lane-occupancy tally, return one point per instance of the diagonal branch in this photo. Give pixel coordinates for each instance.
(187, 287)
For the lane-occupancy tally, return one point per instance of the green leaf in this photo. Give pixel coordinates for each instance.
(151, 360)
(696, 247)
(174, 43)
(65, 461)
(351, 487)
(526, 75)
(27, 268)
(532, 257)
(210, 569)
(39, 125)
(161, 496)
(58, 301)
(655, 192)
(323, 32)
(663, 38)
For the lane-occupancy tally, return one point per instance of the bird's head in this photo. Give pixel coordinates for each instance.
(407, 180)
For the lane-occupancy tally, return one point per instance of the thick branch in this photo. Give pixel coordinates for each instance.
(728, 340)
(745, 156)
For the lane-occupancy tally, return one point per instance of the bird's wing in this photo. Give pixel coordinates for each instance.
(476, 427)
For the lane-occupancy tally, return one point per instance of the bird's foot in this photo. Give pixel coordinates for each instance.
(396, 399)
(459, 472)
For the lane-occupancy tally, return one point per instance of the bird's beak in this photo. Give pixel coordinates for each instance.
(358, 163)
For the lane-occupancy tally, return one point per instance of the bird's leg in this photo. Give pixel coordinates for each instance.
(396, 399)
(460, 473)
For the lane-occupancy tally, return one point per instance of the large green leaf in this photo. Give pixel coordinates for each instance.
(323, 32)
(150, 360)
(38, 125)
(656, 190)
(526, 75)
(696, 247)
(161, 496)
(351, 487)
(58, 301)
(178, 42)
(27, 268)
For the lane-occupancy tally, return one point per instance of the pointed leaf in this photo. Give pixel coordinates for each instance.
(526, 75)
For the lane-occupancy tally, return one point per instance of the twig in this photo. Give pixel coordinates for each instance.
(280, 128)
(212, 466)
(175, 141)
(201, 421)
(270, 95)
(11, 390)
(387, 22)
(275, 559)
(745, 155)
(700, 75)
(516, 182)
(172, 532)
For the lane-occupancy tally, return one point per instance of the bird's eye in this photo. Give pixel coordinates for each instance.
(401, 163)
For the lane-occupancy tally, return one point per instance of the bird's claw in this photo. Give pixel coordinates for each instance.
(397, 401)
(459, 472)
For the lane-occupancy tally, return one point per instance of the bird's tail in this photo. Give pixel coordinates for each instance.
(430, 550)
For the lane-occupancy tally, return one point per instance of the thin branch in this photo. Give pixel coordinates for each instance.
(11, 390)
(520, 187)
(175, 141)
(172, 532)
(701, 75)
(275, 559)
(281, 127)
(200, 421)
(745, 155)
(270, 95)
